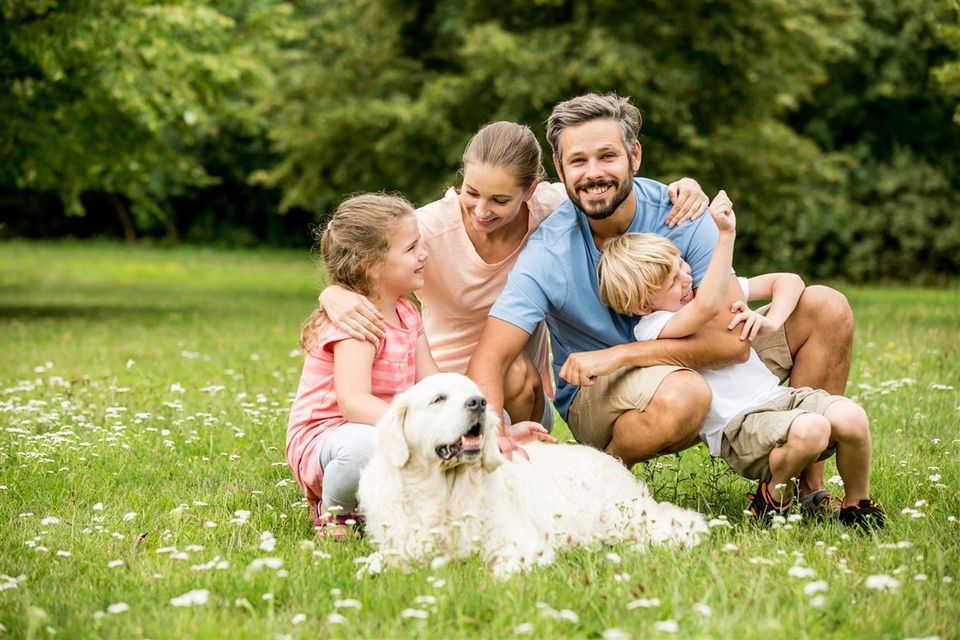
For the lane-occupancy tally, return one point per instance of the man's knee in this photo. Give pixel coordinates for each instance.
(682, 402)
(829, 309)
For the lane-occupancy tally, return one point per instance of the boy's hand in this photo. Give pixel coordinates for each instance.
(754, 324)
(721, 209)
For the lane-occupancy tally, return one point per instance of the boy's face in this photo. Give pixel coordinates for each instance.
(677, 289)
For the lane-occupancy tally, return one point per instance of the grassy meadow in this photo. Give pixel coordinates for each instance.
(143, 490)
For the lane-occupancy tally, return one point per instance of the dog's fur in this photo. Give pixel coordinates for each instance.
(438, 485)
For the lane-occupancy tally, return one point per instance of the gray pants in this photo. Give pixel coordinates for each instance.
(345, 451)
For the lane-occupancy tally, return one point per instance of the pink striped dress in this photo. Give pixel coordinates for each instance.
(315, 411)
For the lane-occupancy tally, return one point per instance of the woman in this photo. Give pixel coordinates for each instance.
(473, 235)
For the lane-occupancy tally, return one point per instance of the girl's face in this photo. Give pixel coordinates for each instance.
(490, 197)
(402, 268)
(676, 290)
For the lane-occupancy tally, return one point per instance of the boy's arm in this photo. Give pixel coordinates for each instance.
(712, 293)
(426, 365)
(782, 289)
(710, 347)
(353, 380)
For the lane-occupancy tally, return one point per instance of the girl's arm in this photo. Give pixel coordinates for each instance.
(353, 380)
(352, 313)
(782, 289)
(711, 296)
(426, 365)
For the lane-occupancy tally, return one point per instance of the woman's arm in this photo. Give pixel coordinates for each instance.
(426, 365)
(352, 313)
(353, 380)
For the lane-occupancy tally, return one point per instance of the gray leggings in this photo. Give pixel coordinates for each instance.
(344, 453)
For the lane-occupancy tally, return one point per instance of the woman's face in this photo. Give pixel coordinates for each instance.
(490, 197)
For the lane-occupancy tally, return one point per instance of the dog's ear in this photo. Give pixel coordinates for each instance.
(390, 432)
(490, 456)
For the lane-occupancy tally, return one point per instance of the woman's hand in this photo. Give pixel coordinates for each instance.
(352, 313)
(689, 201)
(513, 435)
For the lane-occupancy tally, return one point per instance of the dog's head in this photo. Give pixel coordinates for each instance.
(443, 420)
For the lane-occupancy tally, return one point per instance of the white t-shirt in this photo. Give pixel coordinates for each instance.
(736, 387)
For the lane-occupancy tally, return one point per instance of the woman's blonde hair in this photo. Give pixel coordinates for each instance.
(632, 269)
(352, 244)
(508, 146)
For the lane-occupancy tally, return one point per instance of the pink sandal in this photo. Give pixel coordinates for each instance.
(333, 526)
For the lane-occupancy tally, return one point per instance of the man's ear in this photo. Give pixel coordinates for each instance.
(636, 156)
(558, 166)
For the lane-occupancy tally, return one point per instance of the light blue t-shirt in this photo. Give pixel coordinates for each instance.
(555, 278)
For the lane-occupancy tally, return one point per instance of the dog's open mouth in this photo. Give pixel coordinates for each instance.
(468, 446)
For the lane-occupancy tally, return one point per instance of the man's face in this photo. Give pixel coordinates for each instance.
(595, 167)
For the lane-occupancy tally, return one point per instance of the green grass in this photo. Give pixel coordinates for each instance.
(96, 342)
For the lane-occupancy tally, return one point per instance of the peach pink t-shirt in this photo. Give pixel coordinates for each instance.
(315, 410)
(459, 287)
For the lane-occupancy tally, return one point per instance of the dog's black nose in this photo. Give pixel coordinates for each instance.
(475, 404)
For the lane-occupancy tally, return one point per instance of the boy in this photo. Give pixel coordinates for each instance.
(764, 431)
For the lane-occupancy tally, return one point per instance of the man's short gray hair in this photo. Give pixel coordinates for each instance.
(593, 106)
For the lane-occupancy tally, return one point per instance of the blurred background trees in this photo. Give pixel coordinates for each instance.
(834, 124)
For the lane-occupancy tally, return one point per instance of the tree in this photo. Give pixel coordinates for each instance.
(115, 96)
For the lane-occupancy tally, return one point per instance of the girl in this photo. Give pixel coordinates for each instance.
(474, 235)
(371, 246)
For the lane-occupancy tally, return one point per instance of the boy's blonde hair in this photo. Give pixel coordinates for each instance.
(352, 244)
(632, 268)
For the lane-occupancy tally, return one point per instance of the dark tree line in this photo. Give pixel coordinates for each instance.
(833, 123)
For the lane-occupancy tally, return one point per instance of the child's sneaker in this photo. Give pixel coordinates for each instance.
(763, 507)
(866, 514)
(820, 505)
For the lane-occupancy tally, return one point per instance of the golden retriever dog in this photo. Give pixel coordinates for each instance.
(437, 485)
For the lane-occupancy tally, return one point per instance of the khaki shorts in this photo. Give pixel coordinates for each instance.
(596, 408)
(774, 350)
(749, 438)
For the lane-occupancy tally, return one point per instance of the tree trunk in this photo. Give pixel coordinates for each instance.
(129, 231)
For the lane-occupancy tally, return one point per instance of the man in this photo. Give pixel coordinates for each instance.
(635, 400)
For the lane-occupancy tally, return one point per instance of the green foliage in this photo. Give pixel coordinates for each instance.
(116, 96)
(834, 124)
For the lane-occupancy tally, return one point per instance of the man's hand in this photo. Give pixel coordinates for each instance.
(754, 324)
(582, 368)
(689, 201)
(721, 210)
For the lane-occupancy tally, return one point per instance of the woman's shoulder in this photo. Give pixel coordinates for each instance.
(440, 215)
(547, 197)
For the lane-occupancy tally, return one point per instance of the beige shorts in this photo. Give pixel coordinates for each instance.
(749, 438)
(774, 351)
(596, 408)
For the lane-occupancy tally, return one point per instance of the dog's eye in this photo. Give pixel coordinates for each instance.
(438, 398)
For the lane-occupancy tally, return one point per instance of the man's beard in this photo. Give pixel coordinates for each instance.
(605, 210)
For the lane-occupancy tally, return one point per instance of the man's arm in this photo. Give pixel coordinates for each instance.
(500, 344)
(710, 347)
